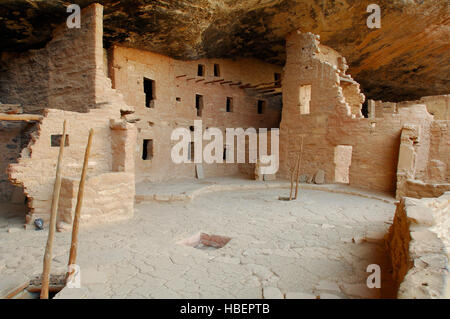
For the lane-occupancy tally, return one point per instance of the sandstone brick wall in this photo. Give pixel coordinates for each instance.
(12, 140)
(437, 105)
(36, 168)
(24, 79)
(59, 75)
(353, 97)
(419, 176)
(174, 104)
(107, 197)
(418, 245)
(439, 168)
(331, 123)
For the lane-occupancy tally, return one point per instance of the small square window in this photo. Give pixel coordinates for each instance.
(56, 140)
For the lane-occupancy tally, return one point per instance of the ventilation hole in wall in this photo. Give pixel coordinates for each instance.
(229, 104)
(191, 128)
(199, 104)
(150, 124)
(178, 99)
(147, 150)
(149, 90)
(56, 140)
(200, 70)
(216, 70)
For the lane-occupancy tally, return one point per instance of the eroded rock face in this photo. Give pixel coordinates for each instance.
(406, 59)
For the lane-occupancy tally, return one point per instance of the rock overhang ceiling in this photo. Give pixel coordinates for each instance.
(408, 57)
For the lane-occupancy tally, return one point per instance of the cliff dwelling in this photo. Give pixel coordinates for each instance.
(223, 162)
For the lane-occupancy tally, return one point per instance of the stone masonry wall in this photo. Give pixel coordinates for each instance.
(24, 79)
(437, 105)
(61, 74)
(331, 122)
(12, 140)
(418, 245)
(176, 86)
(108, 196)
(36, 168)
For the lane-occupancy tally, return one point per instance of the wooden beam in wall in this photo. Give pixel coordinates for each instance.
(188, 79)
(200, 80)
(266, 91)
(268, 95)
(20, 117)
(261, 84)
(237, 83)
(268, 88)
(225, 82)
(213, 81)
(180, 76)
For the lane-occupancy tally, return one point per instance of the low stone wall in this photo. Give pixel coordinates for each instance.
(419, 189)
(107, 197)
(418, 245)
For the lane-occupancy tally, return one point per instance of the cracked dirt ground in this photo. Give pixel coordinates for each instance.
(300, 249)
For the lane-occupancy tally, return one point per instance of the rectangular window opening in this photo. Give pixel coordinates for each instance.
(199, 104)
(216, 70)
(304, 98)
(56, 140)
(200, 70)
(147, 150)
(149, 90)
(261, 106)
(229, 104)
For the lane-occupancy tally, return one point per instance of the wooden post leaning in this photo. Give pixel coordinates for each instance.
(298, 168)
(293, 174)
(76, 220)
(52, 225)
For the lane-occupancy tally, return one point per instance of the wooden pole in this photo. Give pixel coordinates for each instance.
(20, 117)
(298, 168)
(292, 183)
(76, 220)
(294, 173)
(52, 224)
